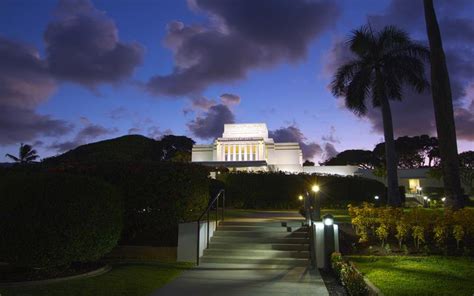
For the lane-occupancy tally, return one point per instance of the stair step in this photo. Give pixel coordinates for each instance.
(256, 253)
(259, 246)
(255, 260)
(258, 234)
(253, 228)
(294, 224)
(248, 239)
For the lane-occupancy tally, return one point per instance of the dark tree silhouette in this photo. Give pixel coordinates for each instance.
(444, 115)
(308, 163)
(26, 154)
(383, 62)
(362, 158)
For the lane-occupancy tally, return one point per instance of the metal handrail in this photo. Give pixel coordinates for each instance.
(215, 200)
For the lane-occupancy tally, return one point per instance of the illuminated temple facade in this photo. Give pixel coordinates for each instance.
(247, 146)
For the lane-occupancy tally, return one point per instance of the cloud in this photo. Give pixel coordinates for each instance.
(24, 78)
(134, 131)
(415, 113)
(329, 151)
(24, 84)
(21, 125)
(86, 134)
(83, 46)
(156, 133)
(293, 134)
(331, 137)
(210, 124)
(240, 36)
(230, 99)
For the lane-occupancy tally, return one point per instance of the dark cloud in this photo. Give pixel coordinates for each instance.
(88, 133)
(293, 134)
(415, 114)
(22, 125)
(230, 99)
(156, 133)
(24, 78)
(329, 151)
(210, 124)
(134, 131)
(202, 103)
(83, 46)
(242, 35)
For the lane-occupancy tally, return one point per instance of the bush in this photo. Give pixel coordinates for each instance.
(51, 219)
(280, 191)
(349, 276)
(157, 196)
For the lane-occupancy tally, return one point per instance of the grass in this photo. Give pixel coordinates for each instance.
(126, 279)
(434, 275)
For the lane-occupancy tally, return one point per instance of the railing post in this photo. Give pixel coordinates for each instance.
(198, 239)
(207, 246)
(223, 204)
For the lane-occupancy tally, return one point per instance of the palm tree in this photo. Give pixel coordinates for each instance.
(383, 62)
(443, 107)
(25, 155)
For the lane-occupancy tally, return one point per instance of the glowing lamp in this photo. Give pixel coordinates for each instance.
(300, 197)
(315, 188)
(376, 197)
(328, 220)
(425, 197)
(443, 199)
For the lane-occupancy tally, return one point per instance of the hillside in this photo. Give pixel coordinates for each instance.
(129, 148)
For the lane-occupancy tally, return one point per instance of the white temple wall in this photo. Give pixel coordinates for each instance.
(202, 153)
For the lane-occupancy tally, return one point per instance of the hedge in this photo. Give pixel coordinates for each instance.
(349, 276)
(51, 220)
(280, 191)
(157, 196)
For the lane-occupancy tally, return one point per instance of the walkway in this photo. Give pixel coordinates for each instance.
(267, 259)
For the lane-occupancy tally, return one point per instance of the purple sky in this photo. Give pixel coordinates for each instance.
(78, 71)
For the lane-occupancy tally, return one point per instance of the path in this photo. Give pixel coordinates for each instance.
(254, 255)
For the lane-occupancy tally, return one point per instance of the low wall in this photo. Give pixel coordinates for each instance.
(124, 252)
(187, 240)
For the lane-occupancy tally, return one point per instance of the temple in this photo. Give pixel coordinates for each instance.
(247, 146)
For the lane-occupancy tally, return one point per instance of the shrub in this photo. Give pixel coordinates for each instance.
(278, 190)
(349, 276)
(157, 196)
(51, 219)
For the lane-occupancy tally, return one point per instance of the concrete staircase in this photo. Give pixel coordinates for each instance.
(275, 244)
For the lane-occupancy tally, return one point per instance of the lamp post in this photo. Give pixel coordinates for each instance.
(317, 203)
(377, 201)
(425, 201)
(329, 247)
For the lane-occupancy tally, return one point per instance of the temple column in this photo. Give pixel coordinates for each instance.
(239, 147)
(245, 152)
(234, 152)
(251, 154)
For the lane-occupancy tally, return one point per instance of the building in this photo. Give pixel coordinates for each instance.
(247, 146)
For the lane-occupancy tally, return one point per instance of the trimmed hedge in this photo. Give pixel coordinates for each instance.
(157, 196)
(280, 191)
(51, 220)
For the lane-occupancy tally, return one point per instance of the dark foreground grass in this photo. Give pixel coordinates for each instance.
(126, 279)
(433, 275)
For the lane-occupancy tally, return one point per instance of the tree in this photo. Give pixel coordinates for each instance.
(443, 107)
(413, 152)
(308, 163)
(362, 158)
(383, 62)
(466, 160)
(26, 154)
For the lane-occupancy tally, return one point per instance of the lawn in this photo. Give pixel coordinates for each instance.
(434, 275)
(127, 279)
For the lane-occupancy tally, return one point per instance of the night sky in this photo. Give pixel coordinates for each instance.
(78, 71)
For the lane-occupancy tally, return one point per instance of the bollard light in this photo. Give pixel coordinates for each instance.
(315, 188)
(443, 199)
(425, 197)
(328, 220)
(300, 197)
(376, 197)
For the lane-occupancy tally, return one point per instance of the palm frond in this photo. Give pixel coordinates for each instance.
(361, 41)
(12, 157)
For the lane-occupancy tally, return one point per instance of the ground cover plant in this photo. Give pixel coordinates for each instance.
(410, 275)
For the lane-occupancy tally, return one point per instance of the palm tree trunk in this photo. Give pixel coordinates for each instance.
(443, 107)
(390, 154)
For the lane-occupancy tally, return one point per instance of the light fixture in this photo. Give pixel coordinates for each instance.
(315, 188)
(418, 188)
(376, 197)
(300, 197)
(328, 220)
(425, 197)
(443, 199)
(429, 199)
